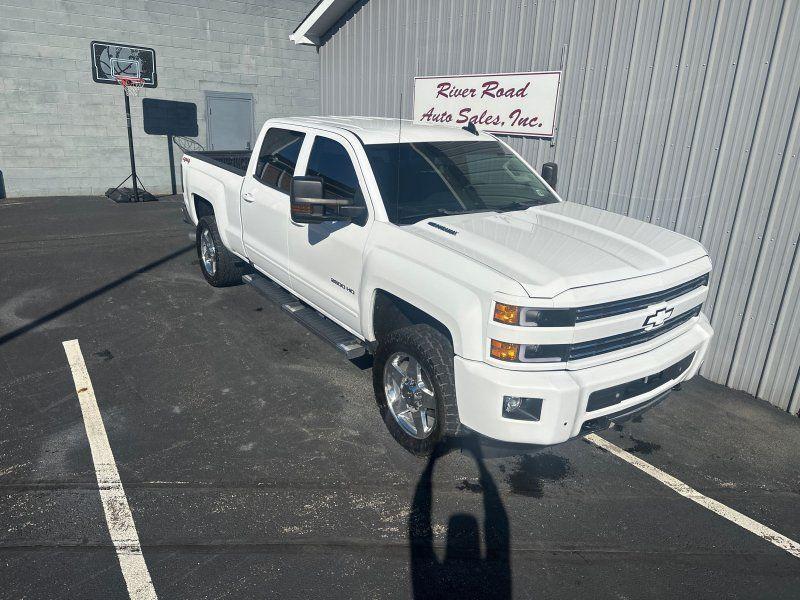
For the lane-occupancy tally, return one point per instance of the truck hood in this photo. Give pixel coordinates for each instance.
(550, 249)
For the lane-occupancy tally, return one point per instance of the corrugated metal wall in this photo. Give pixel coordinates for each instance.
(680, 113)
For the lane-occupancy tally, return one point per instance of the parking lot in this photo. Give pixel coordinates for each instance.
(255, 462)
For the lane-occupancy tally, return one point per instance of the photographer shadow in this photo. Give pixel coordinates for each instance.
(464, 571)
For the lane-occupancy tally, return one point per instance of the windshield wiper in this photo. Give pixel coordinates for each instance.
(520, 205)
(442, 212)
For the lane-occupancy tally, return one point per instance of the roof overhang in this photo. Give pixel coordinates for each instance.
(319, 21)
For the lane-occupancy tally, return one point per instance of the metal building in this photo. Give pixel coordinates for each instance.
(682, 113)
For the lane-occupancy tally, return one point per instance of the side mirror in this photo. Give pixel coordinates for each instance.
(550, 174)
(309, 206)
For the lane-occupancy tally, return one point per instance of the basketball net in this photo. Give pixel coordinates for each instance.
(130, 85)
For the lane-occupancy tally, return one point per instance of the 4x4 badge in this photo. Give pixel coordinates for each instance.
(657, 319)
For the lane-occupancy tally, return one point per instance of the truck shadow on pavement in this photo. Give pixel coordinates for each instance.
(463, 572)
(54, 314)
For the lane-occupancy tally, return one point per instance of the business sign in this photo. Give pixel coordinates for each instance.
(511, 103)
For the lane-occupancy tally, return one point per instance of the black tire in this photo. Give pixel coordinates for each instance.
(228, 268)
(434, 352)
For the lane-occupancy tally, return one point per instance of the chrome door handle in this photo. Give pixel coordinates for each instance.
(248, 197)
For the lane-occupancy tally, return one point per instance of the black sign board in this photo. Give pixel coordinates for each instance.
(168, 117)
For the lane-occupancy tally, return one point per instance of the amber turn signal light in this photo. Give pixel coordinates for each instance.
(504, 350)
(506, 313)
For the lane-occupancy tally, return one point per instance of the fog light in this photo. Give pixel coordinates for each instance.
(522, 409)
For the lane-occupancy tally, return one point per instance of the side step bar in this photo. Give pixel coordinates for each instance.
(338, 337)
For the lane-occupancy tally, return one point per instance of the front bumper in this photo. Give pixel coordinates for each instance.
(480, 389)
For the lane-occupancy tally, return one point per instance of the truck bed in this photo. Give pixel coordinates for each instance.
(234, 161)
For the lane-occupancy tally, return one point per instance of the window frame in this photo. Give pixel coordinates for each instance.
(257, 156)
(355, 159)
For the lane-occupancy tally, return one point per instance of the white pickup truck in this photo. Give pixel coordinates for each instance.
(490, 305)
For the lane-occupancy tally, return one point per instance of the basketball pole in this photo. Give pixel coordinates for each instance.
(171, 164)
(130, 144)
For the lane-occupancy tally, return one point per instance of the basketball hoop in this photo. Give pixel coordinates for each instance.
(130, 85)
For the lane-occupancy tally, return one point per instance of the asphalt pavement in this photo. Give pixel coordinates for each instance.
(256, 464)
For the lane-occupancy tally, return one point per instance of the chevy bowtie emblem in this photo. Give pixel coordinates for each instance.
(657, 319)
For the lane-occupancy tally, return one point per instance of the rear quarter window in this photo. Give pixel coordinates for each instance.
(277, 158)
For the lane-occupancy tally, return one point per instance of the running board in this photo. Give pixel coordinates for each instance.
(337, 336)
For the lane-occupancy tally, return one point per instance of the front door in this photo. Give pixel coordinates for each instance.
(265, 202)
(325, 259)
(230, 121)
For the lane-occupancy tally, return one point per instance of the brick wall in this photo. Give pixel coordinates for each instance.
(61, 133)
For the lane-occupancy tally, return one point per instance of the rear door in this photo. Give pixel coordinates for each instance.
(325, 259)
(230, 121)
(265, 202)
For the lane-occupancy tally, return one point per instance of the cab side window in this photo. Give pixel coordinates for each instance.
(278, 158)
(330, 161)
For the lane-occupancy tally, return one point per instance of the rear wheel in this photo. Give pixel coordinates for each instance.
(415, 387)
(219, 265)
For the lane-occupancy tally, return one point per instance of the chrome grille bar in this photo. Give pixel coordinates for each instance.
(619, 307)
(631, 338)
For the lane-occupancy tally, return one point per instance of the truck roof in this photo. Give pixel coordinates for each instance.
(380, 130)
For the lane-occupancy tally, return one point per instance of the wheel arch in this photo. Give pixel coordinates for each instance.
(390, 313)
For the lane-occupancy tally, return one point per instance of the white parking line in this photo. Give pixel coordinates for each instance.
(762, 531)
(112, 495)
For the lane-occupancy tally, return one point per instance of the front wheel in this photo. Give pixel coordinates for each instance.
(415, 387)
(218, 264)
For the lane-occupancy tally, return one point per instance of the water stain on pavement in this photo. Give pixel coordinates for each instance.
(530, 471)
(468, 486)
(642, 447)
(105, 355)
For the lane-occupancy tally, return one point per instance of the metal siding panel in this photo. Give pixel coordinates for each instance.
(689, 88)
(735, 160)
(763, 204)
(639, 79)
(660, 104)
(594, 81)
(605, 146)
(682, 142)
(779, 383)
(572, 88)
(709, 127)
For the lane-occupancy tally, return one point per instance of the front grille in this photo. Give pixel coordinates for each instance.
(619, 307)
(630, 338)
(625, 391)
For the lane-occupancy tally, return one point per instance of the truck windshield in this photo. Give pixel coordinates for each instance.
(425, 179)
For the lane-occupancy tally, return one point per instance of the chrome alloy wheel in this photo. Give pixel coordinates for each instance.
(409, 395)
(208, 252)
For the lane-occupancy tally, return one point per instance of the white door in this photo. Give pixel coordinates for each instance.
(265, 202)
(325, 258)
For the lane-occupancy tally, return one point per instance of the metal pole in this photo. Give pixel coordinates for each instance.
(130, 145)
(171, 165)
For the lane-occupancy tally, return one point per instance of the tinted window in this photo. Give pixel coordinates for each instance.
(278, 157)
(330, 161)
(426, 179)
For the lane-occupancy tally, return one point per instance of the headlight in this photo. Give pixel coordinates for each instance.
(509, 314)
(548, 317)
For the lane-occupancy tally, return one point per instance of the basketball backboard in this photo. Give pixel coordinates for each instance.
(110, 60)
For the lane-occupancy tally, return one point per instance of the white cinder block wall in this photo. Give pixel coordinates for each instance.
(63, 134)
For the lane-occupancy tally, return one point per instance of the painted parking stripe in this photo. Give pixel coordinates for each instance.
(112, 495)
(762, 531)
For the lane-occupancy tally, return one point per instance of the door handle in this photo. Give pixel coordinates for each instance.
(248, 197)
